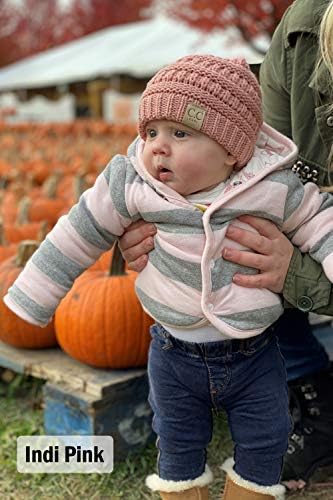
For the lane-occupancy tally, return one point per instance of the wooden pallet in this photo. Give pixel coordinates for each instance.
(81, 400)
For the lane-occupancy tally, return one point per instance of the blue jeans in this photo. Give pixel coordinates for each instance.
(301, 350)
(246, 378)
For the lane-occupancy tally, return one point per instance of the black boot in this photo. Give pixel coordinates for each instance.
(311, 443)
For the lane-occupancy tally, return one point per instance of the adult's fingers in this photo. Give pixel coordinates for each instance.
(249, 239)
(269, 254)
(139, 264)
(136, 242)
(270, 280)
(135, 233)
(133, 253)
(248, 259)
(263, 226)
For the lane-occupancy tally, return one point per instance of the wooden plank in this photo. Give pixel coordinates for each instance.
(21, 360)
(55, 366)
(13, 362)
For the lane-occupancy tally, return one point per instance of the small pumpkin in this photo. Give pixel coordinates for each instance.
(23, 229)
(9, 200)
(48, 206)
(14, 330)
(101, 322)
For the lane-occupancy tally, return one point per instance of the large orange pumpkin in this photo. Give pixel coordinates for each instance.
(14, 330)
(101, 322)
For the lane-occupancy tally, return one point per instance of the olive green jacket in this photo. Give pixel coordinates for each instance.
(299, 107)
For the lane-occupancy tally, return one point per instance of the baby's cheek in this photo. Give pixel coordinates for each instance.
(147, 158)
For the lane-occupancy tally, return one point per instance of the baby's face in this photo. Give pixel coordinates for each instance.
(183, 158)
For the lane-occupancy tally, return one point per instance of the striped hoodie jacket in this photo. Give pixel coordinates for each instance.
(186, 282)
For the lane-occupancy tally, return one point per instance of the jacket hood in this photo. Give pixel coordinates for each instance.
(273, 151)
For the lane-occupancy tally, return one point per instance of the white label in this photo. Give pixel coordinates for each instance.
(69, 454)
(194, 116)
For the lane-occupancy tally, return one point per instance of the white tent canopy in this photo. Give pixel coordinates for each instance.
(137, 49)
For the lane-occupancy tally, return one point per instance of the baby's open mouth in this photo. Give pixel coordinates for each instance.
(163, 174)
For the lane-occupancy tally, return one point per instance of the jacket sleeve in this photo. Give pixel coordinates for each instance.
(74, 244)
(274, 73)
(307, 286)
(309, 225)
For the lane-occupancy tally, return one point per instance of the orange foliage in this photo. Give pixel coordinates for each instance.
(250, 17)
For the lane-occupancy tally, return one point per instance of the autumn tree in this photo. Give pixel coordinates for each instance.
(31, 26)
(95, 15)
(8, 25)
(251, 17)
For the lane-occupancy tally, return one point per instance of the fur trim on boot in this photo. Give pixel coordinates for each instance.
(155, 483)
(237, 488)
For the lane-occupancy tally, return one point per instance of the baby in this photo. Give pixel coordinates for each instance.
(203, 157)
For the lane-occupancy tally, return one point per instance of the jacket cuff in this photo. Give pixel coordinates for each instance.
(306, 286)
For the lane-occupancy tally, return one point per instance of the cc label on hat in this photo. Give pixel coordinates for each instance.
(194, 116)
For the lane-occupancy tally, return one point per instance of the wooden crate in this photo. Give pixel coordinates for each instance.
(82, 400)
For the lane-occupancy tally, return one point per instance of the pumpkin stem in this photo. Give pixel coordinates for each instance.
(29, 182)
(79, 185)
(50, 186)
(117, 267)
(25, 250)
(43, 230)
(18, 190)
(3, 241)
(23, 211)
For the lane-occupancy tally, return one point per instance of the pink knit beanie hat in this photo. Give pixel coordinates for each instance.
(219, 97)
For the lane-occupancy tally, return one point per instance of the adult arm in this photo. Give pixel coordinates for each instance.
(304, 277)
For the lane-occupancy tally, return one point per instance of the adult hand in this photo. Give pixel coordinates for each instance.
(136, 243)
(271, 255)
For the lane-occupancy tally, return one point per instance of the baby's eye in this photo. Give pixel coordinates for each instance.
(151, 132)
(180, 133)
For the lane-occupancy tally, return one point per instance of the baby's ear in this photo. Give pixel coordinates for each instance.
(231, 160)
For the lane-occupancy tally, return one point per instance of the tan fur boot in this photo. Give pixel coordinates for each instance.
(237, 488)
(191, 489)
(191, 494)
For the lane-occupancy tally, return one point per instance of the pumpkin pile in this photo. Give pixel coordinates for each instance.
(44, 168)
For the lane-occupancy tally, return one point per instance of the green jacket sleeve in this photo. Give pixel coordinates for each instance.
(274, 74)
(306, 286)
